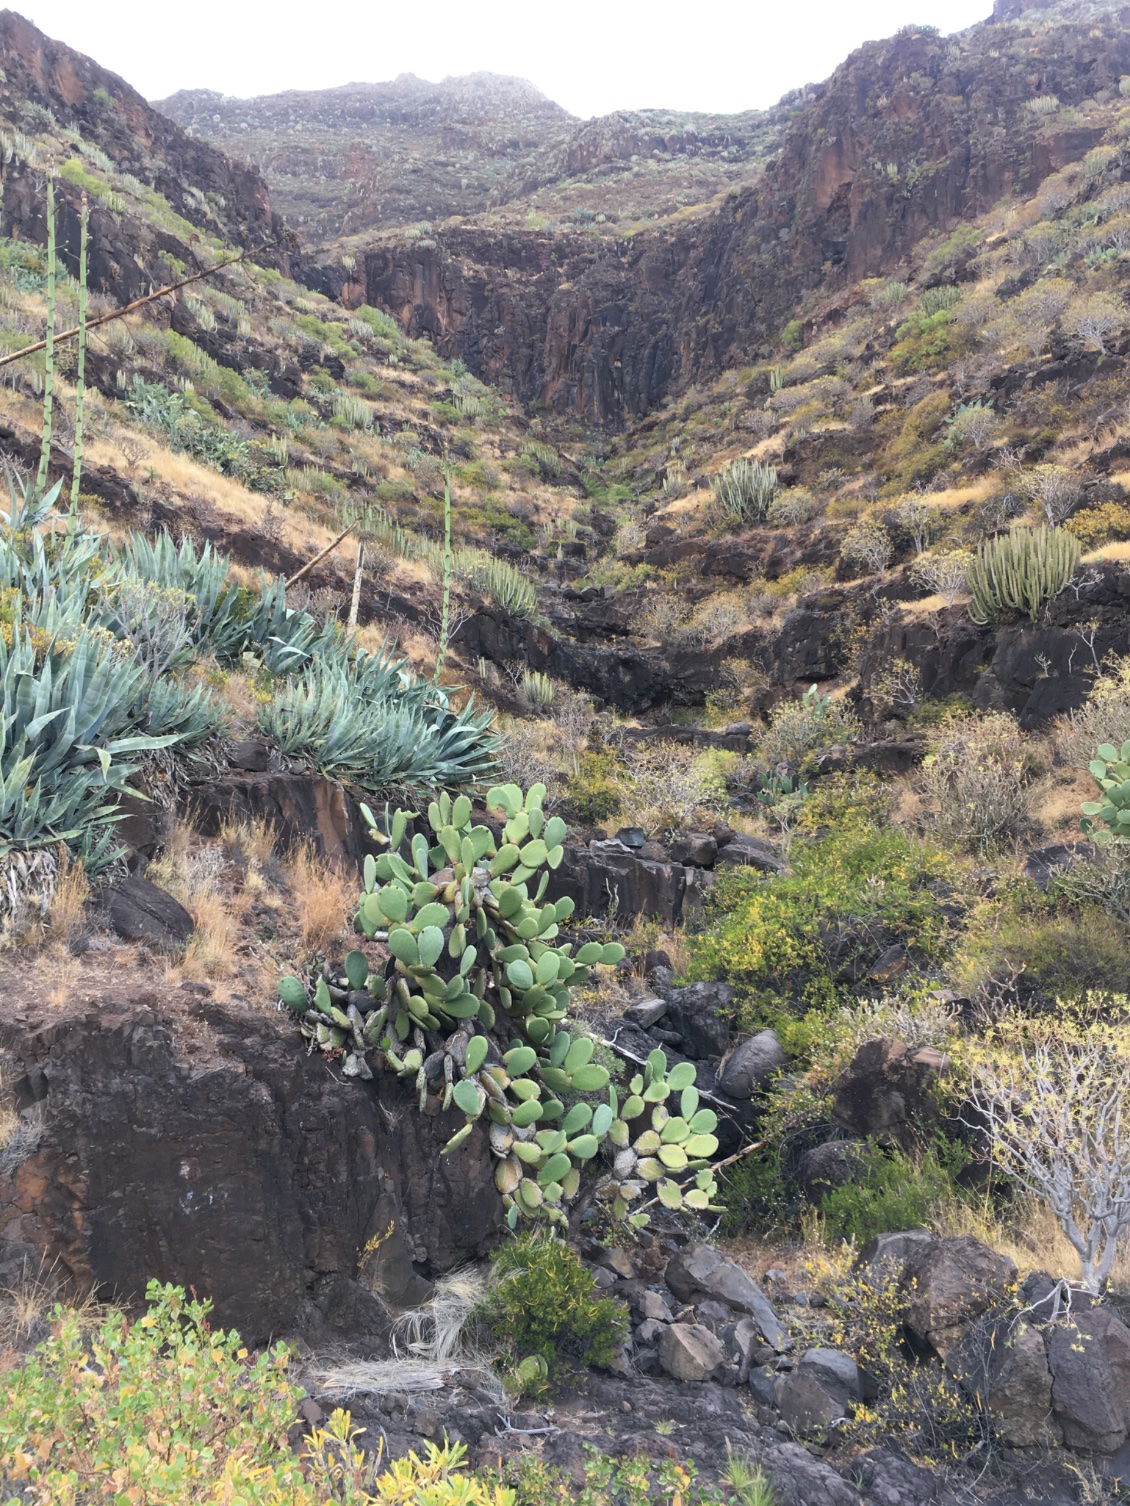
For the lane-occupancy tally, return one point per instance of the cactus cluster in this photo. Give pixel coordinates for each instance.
(1111, 769)
(744, 490)
(471, 1005)
(1020, 570)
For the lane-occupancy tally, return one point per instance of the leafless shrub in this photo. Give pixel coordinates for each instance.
(977, 783)
(867, 546)
(1056, 1113)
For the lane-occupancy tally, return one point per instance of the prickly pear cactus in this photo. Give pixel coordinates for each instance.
(1111, 769)
(471, 1005)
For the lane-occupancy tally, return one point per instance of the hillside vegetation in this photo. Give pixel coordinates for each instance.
(646, 736)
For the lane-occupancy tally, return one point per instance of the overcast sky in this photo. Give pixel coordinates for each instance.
(592, 56)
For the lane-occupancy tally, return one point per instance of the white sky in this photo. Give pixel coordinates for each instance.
(592, 56)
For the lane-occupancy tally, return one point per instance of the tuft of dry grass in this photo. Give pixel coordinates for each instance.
(67, 915)
(26, 1307)
(324, 897)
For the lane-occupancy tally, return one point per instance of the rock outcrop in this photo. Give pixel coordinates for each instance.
(194, 1142)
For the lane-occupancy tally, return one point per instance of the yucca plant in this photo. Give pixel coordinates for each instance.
(1020, 570)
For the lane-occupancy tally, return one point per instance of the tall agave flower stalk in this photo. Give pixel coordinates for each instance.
(445, 611)
(80, 387)
(49, 354)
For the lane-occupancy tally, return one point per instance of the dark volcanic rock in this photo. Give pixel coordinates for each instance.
(700, 1017)
(301, 808)
(140, 911)
(248, 1170)
(885, 1090)
(1089, 1357)
(752, 1063)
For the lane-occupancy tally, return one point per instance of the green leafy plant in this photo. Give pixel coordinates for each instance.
(801, 939)
(168, 1410)
(543, 1306)
(891, 1190)
(1020, 570)
(475, 957)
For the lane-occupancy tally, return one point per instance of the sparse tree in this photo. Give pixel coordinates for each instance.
(920, 520)
(1057, 1117)
(943, 574)
(1054, 488)
(1094, 317)
(867, 546)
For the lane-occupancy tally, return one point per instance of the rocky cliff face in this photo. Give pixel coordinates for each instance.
(199, 182)
(908, 138)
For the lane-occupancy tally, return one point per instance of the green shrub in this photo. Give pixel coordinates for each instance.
(1029, 949)
(1107, 523)
(168, 1410)
(892, 1191)
(977, 779)
(924, 342)
(631, 1480)
(1020, 570)
(593, 794)
(78, 1415)
(543, 1302)
(800, 939)
(800, 730)
(913, 455)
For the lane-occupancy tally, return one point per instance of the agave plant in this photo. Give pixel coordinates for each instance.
(476, 964)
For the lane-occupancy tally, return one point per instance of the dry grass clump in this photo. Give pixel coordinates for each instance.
(324, 897)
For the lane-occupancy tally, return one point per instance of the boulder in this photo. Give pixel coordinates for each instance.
(1006, 1365)
(300, 807)
(251, 757)
(651, 1305)
(836, 1371)
(689, 1352)
(895, 1255)
(694, 849)
(140, 911)
(699, 1271)
(763, 1384)
(591, 875)
(955, 1282)
(747, 852)
(699, 1017)
(751, 1064)
(884, 1092)
(1089, 1359)
(1045, 864)
(808, 1404)
(646, 1012)
(823, 1168)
